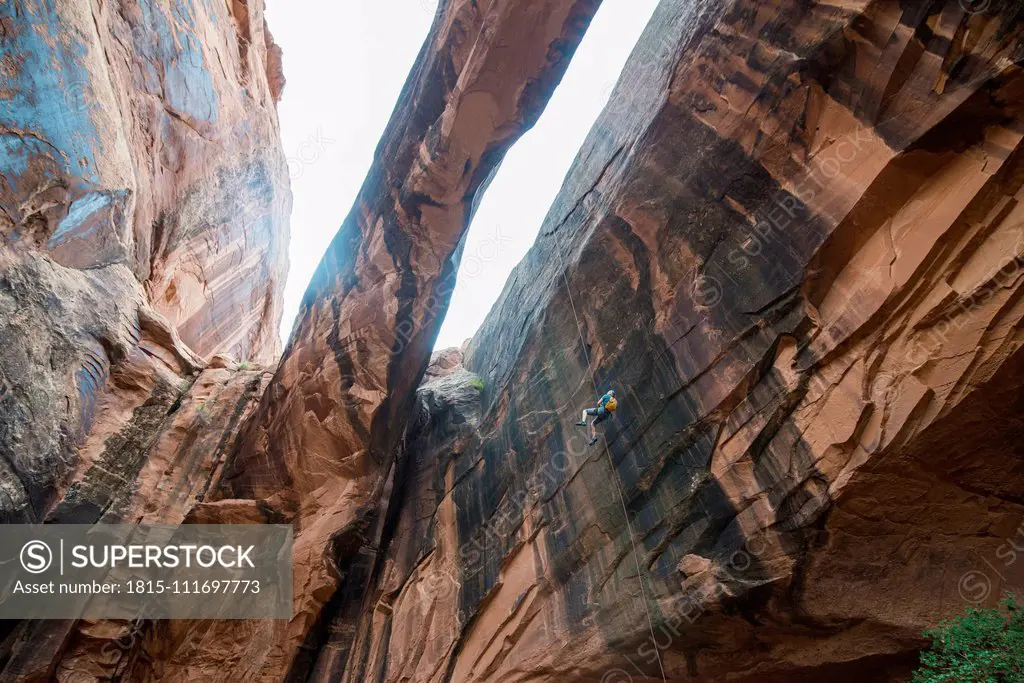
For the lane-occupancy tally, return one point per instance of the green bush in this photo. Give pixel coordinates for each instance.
(982, 646)
(477, 383)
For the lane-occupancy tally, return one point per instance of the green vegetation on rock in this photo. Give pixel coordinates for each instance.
(982, 646)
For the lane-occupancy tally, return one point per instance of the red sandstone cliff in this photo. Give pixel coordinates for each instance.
(792, 243)
(145, 197)
(143, 229)
(321, 450)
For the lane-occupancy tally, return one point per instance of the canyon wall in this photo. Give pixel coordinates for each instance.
(793, 245)
(142, 171)
(320, 452)
(144, 202)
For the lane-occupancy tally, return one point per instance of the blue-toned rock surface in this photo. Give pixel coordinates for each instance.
(141, 177)
(792, 243)
(144, 203)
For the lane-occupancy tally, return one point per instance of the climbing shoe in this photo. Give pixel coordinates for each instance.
(593, 441)
(581, 423)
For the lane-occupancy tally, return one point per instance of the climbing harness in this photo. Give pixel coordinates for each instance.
(611, 463)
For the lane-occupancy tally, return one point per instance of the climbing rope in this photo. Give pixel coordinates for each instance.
(615, 478)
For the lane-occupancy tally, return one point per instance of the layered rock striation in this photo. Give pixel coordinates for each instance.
(321, 452)
(144, 206)
(143, 179)
(793, 245)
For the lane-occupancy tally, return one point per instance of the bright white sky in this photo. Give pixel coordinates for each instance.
(346, 62)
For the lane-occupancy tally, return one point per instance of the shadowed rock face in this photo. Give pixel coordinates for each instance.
(152, 461)
(793, 245)
(321, 451)
(142, 180)
(143, 222)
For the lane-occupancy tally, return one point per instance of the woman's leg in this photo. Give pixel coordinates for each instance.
(602, 415)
